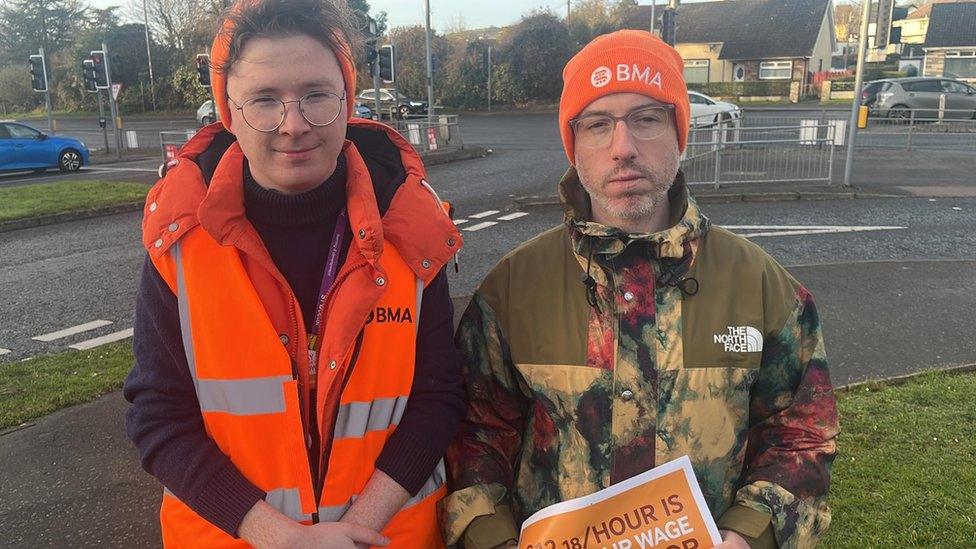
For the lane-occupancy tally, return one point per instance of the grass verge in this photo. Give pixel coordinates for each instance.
(66, 196)
(43, 384)
(906, 472)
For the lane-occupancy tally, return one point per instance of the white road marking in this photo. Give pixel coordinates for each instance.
(98, 168)
(512, 216)
(105, 339)
(480, 226)
(460, 221)
(804, 227)
(483, 214)
(819, 230)
(5, 351)
(72, 330)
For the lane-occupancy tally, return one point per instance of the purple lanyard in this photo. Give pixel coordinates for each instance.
(328, 279)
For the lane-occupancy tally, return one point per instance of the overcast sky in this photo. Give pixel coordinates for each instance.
(445, 13)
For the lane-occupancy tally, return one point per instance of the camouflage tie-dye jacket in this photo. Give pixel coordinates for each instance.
(574, 386)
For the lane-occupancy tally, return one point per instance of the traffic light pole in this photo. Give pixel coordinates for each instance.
(376, 85)
(856, 103)
(430, 67)
(47, 93)
(101, 117)
(113, 106)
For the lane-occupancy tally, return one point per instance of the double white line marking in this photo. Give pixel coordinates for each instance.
(486, 224)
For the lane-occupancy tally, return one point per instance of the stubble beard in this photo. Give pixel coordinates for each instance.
(638, 205)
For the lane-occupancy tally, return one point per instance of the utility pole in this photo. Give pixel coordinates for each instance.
(152, 81)
(430, 67)
(489, 76)
(858, 82)
(569, 11)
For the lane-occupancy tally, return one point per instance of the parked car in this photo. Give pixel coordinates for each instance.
(898, 97)
(25, 148)
(400, 106)
(362, 111)
(707, 111)
(869, 94)
(206, 114)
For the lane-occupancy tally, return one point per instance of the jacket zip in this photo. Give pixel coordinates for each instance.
(320, 482)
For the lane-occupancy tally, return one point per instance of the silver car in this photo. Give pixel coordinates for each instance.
(899, 97)
(206, 114)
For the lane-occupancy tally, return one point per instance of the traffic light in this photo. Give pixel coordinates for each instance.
(99, 69)
(88, 70)
(38, 73)
(669, 24)
(371, 54)
(203, 69)
(387, 60)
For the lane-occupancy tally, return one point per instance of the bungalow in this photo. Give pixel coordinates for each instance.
(950, 43)
(751, 40)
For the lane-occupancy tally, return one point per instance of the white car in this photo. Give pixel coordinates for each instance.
(205, 114)
(706, 111)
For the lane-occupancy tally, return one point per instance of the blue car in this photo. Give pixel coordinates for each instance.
(24, 148)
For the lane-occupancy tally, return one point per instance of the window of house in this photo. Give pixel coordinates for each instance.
(960, 64)
(696, 71)
(775, 70)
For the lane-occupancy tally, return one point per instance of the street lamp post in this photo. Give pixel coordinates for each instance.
(489, 76)
(152, 81)
(430, 67)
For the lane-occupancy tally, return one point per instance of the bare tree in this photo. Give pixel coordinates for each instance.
(185, 25)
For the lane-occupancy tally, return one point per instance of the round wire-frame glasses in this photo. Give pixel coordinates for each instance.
(267, 114)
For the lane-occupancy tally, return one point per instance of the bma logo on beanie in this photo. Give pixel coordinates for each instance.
(601, 77)
(626, 73)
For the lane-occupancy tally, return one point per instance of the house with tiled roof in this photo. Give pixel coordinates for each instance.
(750, 40)
(950, 42)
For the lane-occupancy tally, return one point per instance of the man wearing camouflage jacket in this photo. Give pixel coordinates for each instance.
(638, 333)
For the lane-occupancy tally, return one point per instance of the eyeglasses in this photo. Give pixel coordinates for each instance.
(595, 131)
(267, 114)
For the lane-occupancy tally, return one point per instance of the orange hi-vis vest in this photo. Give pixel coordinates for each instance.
(245, 378)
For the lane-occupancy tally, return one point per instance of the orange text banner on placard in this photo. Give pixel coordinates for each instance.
(660, 509)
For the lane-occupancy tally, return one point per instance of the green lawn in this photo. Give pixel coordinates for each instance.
(905, 475)
(43, 384)
(65, 196)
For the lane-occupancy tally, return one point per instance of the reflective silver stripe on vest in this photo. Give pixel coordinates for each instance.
(335, 512)
(289, 502)
(184, 307)
(420, 300)
(355, 419)
(243, 397)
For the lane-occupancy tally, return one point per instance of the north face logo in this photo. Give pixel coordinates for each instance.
(626, 73)
(390, 314)
(741, 339)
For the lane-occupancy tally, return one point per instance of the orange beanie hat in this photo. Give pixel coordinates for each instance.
(220, 50)
(620, 62)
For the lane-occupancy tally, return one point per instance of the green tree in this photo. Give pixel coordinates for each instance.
(361, 8)
(466, 77)
(15, 90)
(411, 62)
(26, 25)
(534, 53)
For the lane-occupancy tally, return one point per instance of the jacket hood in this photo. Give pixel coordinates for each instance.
(686, 227)
(388, 197)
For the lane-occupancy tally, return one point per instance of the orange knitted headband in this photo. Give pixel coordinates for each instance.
(220, 50)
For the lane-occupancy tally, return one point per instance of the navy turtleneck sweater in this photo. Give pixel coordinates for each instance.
(296, 230)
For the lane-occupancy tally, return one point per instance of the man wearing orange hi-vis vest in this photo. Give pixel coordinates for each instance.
(296, 383)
